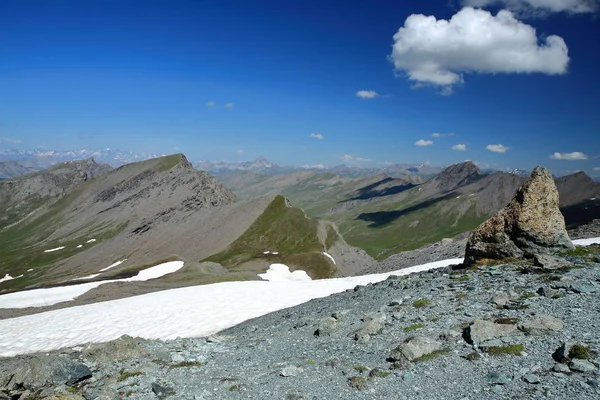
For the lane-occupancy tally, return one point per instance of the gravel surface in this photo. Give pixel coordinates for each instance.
(495, 330)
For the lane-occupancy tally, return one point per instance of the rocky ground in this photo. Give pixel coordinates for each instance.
(500, 331)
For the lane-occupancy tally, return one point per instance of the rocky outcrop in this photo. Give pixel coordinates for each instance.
(530, 224)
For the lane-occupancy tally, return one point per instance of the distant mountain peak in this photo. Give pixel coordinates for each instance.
(458, 175)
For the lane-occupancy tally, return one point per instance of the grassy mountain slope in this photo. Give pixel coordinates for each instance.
(285, 230)
(385, 216)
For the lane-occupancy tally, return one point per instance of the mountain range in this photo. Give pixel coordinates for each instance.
(72, 220)
(17, 162)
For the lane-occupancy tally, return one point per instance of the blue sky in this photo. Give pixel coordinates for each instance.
(232, 80)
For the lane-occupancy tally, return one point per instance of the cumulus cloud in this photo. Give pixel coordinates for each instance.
(211, 104)
(439, 135)
(240, 151)
(367, 94)
(423, 142)
(497, 148)
(460, 147)
(438, 52)
(317, 136)
(569, 6)
(576, 155)
(229, 105)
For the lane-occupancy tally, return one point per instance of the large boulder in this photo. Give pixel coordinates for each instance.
(529, 225)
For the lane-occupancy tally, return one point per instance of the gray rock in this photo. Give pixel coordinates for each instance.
(41, 371)
(530, 224)
(497, 389)
(582, 366)
(531, 378)
(500, 299)
(415, 348)
(541, 325)
(561, 354)
(563, 368)
(327, 326)
(548, 261)
(583, 287)
(482, 330)
(122, 348)
(546, 291)
(291, 371)
(162, 390)
(395, 302)
(496, 378)
(373, 324)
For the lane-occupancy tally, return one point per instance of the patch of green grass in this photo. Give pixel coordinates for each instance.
(284, 229)
(435, 319)
(421, 303)
(71, 389)
(294, 396)
(460, 295)
(310, 362)
(579, 351)
(558, 295)
(235, 388)
(515, 350)
(357, 382)
(506, 321)
(360, 368)
(441, 219)
(186, 364)
(128, 374)
(432, 355)
(413, 327)
(168, 162)
(582, 251)
(462, 278)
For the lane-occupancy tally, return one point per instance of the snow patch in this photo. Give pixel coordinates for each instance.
(7, 277)
(586, 242)
(115, 264)
(50, 296)
(86, 277)
(329, 255)
(56, 249)
(91, 241)
(79, 246)
(194, 311)
(281, 273)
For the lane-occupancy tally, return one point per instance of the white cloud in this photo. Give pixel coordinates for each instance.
(438, 52)
(240, 151)
(211, 104)
(570, 6)
(439, 135)
(229, 105)
(576, 155)
(423, 142)
(596, 168)
(317, 136)
(460, 147)
(367, 94)
(497, 148)
(349, 158)
(11, 141)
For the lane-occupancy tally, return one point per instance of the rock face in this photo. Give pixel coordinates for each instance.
(530, 224)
